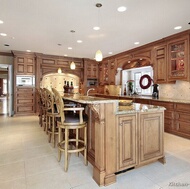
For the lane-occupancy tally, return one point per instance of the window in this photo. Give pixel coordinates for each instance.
(4, 86)
(137, 77)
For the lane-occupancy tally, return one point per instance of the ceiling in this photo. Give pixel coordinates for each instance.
(41, 25)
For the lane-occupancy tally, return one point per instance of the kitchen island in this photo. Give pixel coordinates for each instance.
(121, 137)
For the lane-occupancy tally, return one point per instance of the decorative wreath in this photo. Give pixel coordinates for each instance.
(149, 81)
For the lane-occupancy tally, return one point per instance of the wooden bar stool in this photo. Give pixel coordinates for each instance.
(52, 114)
(40, 106)
(44, 108)
(70, 121)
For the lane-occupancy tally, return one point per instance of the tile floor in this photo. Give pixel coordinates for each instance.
(28, 161)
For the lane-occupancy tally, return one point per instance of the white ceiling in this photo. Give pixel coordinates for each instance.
(40, 25)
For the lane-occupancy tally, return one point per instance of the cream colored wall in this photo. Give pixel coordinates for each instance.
(180, 90)
(56, 80)
(112, 89)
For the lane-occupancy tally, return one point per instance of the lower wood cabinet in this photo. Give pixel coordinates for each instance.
(127, 142)
(24, 101)
(134, 133)
(151, 128)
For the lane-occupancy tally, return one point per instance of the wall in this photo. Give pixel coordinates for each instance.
(56, 81)
(180, 90)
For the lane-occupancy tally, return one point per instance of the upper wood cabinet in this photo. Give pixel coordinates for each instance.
(178, 59)
(92, 70)
(24, 65)
(160, 64)
(107, 72)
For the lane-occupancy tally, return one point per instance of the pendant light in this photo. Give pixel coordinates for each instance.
(59, 70)
(98, 55)
(72, 65)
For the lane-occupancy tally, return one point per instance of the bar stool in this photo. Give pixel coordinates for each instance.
(40, 106)
(70, 122)
(51, 114)
(44, 108)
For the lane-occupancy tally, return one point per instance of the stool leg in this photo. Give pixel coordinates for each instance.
(53, 130)
(85, 144)
(66, 149)
(49, 128)
(77, 141)
(59, 140)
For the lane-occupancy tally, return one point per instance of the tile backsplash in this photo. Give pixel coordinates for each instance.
(180, 90)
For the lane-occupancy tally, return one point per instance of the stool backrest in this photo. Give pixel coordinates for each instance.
(43, 96)
(59, 104)
(49, 100)
(38, 96)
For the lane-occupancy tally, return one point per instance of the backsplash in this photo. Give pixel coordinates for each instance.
(56, 81)
(180, 90)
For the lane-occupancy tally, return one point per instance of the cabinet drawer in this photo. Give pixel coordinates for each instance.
(167, 105)
(182, 116)
(183, 127)
(25, 95)
(182, 107)
(25, 109)
(25, 101)
(24, 90)
(169, 114)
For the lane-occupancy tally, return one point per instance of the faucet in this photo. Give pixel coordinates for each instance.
(91, 89)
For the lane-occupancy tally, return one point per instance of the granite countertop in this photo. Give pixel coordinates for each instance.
(136, 107)
(149, 97)
(88, 99)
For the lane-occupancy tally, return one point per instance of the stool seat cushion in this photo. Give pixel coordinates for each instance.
(73, 118)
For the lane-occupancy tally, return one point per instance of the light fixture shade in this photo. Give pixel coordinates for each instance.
(98, 56)
(72, 66)
(59, 70)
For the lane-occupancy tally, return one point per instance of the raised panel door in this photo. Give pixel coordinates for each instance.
(160, 65)
(127, 142)
(151, 129)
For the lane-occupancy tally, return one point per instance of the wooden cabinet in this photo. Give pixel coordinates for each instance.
(24, 65)
(92, 70)
(151, 129)
(178, 59)
(111, 72)
(160, 64)
(107, 72)
(127, 141)
(141, 101)
(168, 114)
(182, 120)
(25, 100)
(103, 73)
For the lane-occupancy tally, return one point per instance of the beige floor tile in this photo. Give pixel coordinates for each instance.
(15, 184)
(12, 171)
(41, 164)
(28, 161)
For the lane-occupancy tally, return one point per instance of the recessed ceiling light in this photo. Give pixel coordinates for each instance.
(96, 28)
(3, 34)
(110, 53)
(79, 41)
(28, 50)
(1, 22)
(177, 27)
(121, 9)
(70, 48)
(136, 43)
(65, 55)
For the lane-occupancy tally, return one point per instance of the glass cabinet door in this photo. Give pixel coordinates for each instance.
(178, 60)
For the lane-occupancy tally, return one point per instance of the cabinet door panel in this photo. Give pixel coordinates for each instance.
(151, 129)
(183, 127)
(127, 142)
